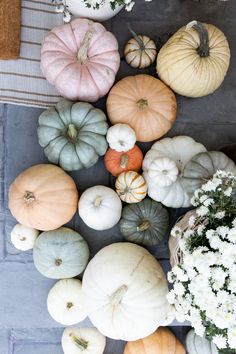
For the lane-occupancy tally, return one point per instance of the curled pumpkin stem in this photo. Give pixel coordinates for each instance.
(203, 49)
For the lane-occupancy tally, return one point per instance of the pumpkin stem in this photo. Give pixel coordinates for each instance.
(79, 342)
(58, 262)
(203, 49)
(137, 38)
(142, 103)
(29, 197)
(145, 225)
(82, 55)
(69, 305)
(124, 161)
(72, 131)
(117, 296)
(98, 202)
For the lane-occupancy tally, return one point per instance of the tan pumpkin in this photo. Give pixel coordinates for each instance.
(131, 187)
(118, 162)
(195, 60)
(145, 103)
(43, 197)
(163, 341)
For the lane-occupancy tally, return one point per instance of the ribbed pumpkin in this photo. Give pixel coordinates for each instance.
(118, 162)
(145, 223)
(195, 60)
(145, 103)
(73, 134)
(43, 197)
(131, 187)
(163, 341)
(80, 59)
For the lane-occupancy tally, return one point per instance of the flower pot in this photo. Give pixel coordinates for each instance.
(79, 9)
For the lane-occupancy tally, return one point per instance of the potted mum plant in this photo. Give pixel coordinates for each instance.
(203, 257)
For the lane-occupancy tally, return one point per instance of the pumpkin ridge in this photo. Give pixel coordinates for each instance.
(64, 43)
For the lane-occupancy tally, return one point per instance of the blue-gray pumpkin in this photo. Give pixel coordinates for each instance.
(60, 254)
(73, 134)
(199, 345)
(145, 223)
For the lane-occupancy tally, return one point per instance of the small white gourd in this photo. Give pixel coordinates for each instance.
(199, 345)
(131, 187)
(163, 171)
(121, 137)
(83, 340)
(65, 302)
(23, 237)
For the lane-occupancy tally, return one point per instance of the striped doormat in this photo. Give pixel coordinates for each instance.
(21, 81)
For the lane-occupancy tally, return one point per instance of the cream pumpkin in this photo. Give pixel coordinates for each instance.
(195, 60)
(43, 197)
(131, 187)
(125, 292)
(80, 59)
(23, 237)
(145, 103)
(121, 137)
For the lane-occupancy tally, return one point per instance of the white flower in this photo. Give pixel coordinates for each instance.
(220, 341)
(219, 215)
(176, 231)
(200, 230)
(232, 235)
(232, 337)
(228, 192)
(222, 231)
(191, 221)
(171, 297)
(202, 211)
(208, 202)
(234, 222)
(209, 186)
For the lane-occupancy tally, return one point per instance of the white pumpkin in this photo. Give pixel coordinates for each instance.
(121, 137)
(23, 237)
(163, 171)
(179, 150)
(65, 302)
(82, 340)
(100, 207)
(125, 292)
(131, 187)
(198, 345)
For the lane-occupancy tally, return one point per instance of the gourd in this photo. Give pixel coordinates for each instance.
(65, 302)
(43, 197)
(179, 151)
(100, 207)
(145, 103)
(73, 134)
(118, 162)
(129, 300)
(131, 187)
(198, 345)
(121, 137)
(61, 253)
(195, 60)
(23, 237)
(82, 340)
(145, 223)
(80, 59)
(163, 341)
(140, 51)
(202, 167)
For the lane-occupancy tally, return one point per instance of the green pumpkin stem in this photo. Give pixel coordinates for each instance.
(203, 49)
(137, 38)
(79, 342)
(145, 225)
(72, 131)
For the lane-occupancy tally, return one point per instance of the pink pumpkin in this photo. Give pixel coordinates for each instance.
(80, 59)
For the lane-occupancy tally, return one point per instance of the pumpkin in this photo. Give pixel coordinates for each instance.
(179, 151)
(129, 300)
(23, 237)
(195, 60)
(118, 162)
(73, 134)
(202, 167)
(121, 137)
(80, 59)
(145, 223)
(131, 187)
(43, 197)
(199, 345)
(100, 208)
(87, 340)
(65, 302)
(140, 51)
(163, 341)
(145, 103)
(60, 253)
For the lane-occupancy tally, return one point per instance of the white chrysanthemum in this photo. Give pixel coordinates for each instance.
(232, 235)
(202, 211)
(220, 341)
(219, 215)
(232, 337)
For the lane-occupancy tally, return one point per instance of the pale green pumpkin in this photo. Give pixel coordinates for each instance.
(199, 345)
(60, 254)
(144, 223)
(73, 134)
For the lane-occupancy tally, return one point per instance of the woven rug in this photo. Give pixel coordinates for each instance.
(21, 81)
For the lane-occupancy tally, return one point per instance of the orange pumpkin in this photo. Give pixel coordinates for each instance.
(163, 341)
(118, 162)
(43, 197)
(145, 103)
